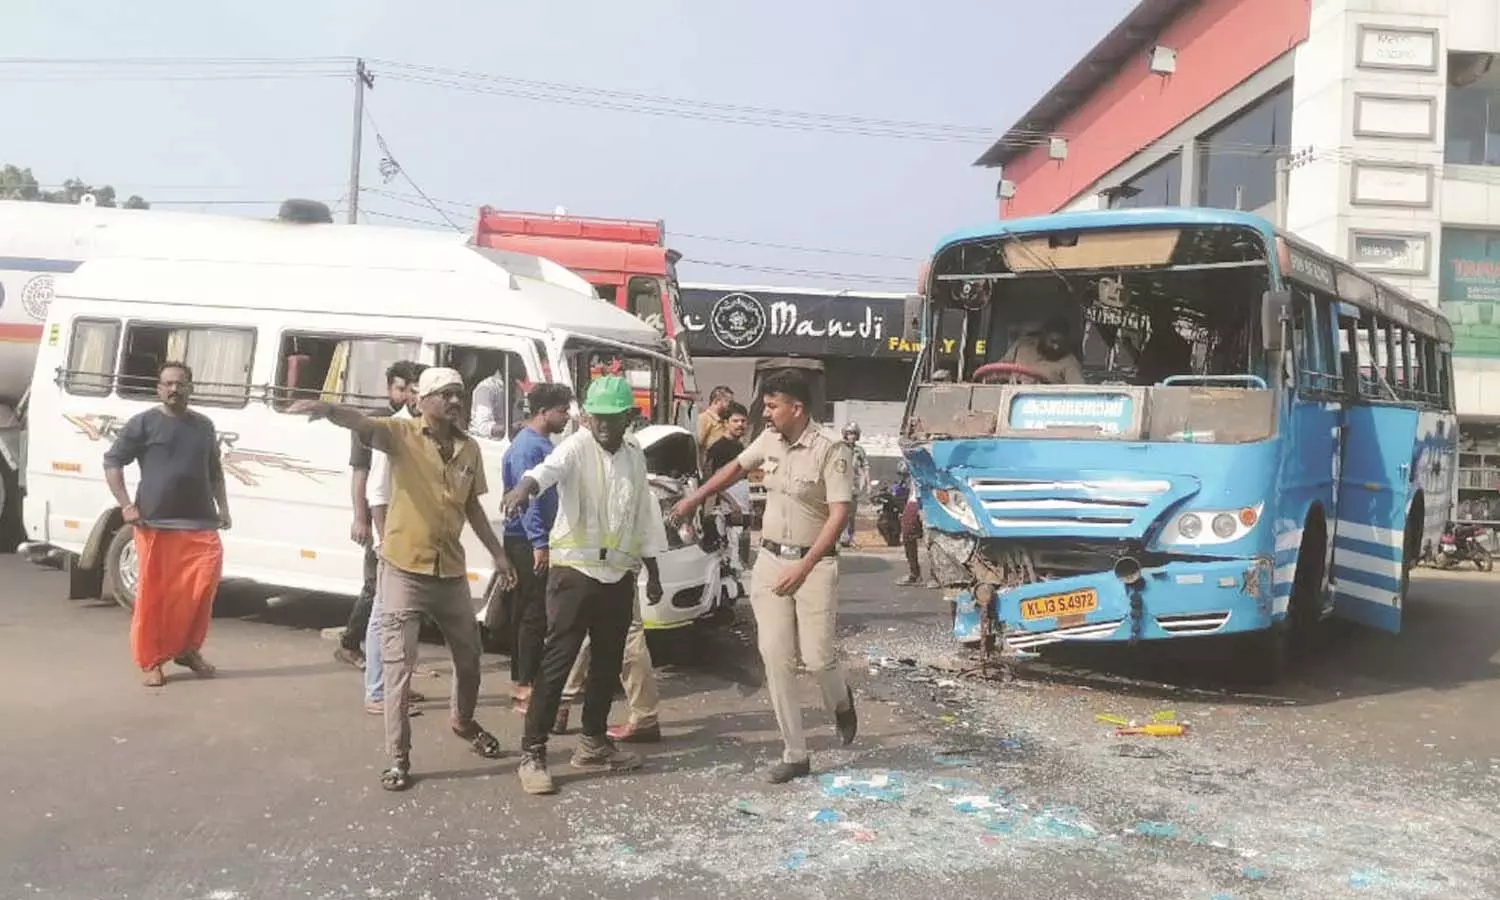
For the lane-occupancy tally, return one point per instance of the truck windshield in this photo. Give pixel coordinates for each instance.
(650, 379)
(1116, 307)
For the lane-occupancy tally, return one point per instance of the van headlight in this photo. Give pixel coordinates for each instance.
(955, 505)
(1207, 527)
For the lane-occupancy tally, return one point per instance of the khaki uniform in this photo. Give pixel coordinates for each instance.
(801, 478)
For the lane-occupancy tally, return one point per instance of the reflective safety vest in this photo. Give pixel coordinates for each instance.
(596, 525)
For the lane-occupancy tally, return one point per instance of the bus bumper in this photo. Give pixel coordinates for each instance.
(1174, 600)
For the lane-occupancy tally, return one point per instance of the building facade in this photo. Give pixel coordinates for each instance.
(1384, 115)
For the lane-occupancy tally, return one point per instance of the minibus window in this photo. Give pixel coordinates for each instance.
(91, 357)
(219, 358)
(338, 368)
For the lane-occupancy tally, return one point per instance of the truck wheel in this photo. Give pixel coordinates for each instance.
(12, 532)
(122, 574)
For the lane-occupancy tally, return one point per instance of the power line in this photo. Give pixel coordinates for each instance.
(389, 168)
(672, 235)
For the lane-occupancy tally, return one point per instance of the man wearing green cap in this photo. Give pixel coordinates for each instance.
(608, 526)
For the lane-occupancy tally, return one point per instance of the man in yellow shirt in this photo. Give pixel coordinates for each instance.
(437, 478)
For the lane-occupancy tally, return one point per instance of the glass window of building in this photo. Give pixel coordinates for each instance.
(1472, 134)
(1158, 185)
(1237, 159)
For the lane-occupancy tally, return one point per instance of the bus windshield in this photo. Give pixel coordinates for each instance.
(1106, 307)
(1120, 333)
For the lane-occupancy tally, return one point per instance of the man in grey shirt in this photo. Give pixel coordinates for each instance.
(179, 506)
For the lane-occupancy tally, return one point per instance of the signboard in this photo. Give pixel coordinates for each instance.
(1411, 49)
(1395, 252)
(755, 322)
(1109, 414)
(1469, 287)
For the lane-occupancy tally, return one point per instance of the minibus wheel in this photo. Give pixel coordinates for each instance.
(11, 530)
(122, 571)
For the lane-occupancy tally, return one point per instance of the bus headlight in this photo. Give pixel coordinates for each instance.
(954, 504)
(1224, 526)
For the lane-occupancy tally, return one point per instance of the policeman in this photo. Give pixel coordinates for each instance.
(794, 586)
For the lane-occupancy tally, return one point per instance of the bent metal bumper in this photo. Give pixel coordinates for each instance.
(1177, 599)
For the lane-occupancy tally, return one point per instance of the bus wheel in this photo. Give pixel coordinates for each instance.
(122, 572)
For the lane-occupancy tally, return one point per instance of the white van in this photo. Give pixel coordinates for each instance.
(319, 312)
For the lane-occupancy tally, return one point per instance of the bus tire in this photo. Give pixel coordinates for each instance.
(121, 568)
(12, 531)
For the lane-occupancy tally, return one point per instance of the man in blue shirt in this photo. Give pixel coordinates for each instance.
(526, 535)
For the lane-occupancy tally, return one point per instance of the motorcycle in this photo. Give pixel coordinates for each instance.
(1460, 543)
(889, 501)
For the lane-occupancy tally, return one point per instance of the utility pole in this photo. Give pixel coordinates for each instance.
(362, 80)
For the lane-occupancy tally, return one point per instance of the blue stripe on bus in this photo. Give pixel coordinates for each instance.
(1374, 615)
(37, 264)
(1368, 548)
(1369, 579)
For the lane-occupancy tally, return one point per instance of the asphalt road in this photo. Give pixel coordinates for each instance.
(1374, 772)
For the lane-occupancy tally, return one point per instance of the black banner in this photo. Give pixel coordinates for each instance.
(723, 322)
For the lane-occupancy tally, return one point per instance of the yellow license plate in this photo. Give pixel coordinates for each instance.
(1074, 604)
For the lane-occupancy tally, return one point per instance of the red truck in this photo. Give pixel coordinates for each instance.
(626, 260)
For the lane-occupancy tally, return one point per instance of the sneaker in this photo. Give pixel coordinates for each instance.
(636, 733)
(377, 708)
(535, 779)
(847, 720)
(907, 581)
(783, 772)
(599, 754)
(934, 584)
(350, 656)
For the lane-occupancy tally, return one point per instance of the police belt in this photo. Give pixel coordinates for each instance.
(787, 551)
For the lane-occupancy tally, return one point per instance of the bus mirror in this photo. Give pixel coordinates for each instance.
(911, 321)
(1273, 313)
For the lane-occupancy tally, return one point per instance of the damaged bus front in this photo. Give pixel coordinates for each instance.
(1106, 439)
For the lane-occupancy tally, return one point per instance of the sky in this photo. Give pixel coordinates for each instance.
(538, 105)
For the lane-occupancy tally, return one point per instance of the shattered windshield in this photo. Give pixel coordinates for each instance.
(1119, 307)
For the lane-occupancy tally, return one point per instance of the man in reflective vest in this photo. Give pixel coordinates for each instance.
(608, 526)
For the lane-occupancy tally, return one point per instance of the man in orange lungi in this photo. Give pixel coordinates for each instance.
(178, 509)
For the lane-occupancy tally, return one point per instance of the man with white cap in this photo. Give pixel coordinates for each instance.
(436, 480)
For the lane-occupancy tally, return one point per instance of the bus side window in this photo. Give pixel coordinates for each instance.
(91, 357)
(219, 357)
(1318, 366)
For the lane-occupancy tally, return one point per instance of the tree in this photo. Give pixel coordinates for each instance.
(19, 184)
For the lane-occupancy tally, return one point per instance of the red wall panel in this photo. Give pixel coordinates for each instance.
(1219, 44)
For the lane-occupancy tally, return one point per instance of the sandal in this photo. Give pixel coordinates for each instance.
(481, 742)
(396, 778)
(194, 661)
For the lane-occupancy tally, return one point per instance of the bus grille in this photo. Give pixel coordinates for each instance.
(1103, 505)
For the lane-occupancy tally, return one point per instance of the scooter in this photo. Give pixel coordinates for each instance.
(1460, 543)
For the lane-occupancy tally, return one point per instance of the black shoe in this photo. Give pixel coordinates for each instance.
(847, 720)
(783, 772)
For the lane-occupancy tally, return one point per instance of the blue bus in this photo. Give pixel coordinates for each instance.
(1136, 425)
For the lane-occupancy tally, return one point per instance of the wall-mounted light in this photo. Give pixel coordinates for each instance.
(1163, 60)
(1057, 148)
(1005, 189)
